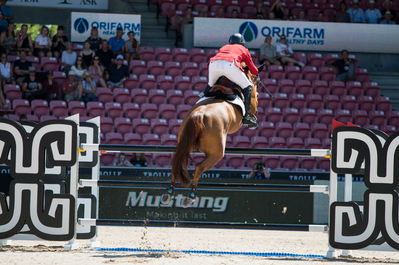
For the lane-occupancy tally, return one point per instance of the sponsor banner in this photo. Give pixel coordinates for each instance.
(82, 23)
(71, 4)
(315, 36)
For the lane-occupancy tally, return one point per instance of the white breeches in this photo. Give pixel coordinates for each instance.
(225, 68)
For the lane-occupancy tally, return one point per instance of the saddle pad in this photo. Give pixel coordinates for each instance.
(237, 101)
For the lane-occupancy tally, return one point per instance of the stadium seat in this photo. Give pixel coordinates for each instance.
(366, 103)
(21, 106)
(180, 55)
(293, 73)
(280, 100)
(284, 129)
(241, 141)
(360, 117)
(300, 56)
(354, 88)
(132, 82)
(310, 73)
(383, 103)
(151, 139)
(349, 102)
(12, 91)
(169, 139)
(113, 138)
(362, 75)
(264, 101)
(59, 78)
(107, 159)
(298, 101)
(259, 142)
(343, 115)
(291, 115)
(173, 68)
(314, 101)
(286, 86)
(332, 102)
(389, 129)
(183, 83)
(104, 94)
(155, 68)
(301, 130)
(59, 108)
(308, 115)
(149, 111)
(95, 108)
(174, 125)
(159, 126)
(122, 95)
(271, 85)
(139, 95)
(277, 142)
(313, 143)
(133, 139)
(141, 126)
(235, 161)
(167, 111)
(49, 64)
(40, 107)
(294, 142)
(34, 118)
(304, 87)
(147, 81)
(163, 160)
(198, 55)
(377, 117)
(113, 109)
(211, 52)
(77, 107)
(321, 87)
(138, 67)
(323, 164)
(393, 118)
(147, 53)
(191, 97)
(182, 111)
(199, 82)
(319, 130)
(290, 163)
(325, 116)
(372, 89)
(190, 69)
(204, 68)
(331, 57)
(326, 143)
(276, 71)
(327, 73)
(165, 82)
(316, 59)
(157, 96)
(163, 54)
(308, 163)
(123, 125)
(337, 88)
(107, 124)
(267, 129)
(274, 115)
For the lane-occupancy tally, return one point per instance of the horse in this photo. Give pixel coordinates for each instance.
(205, 128)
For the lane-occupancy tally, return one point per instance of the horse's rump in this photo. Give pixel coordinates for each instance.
(225, 89)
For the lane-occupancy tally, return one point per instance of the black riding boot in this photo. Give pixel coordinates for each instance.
(247, 119)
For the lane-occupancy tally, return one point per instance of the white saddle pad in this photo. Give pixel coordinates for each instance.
(237, 101)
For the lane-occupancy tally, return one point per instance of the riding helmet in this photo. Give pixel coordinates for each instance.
(237, 38)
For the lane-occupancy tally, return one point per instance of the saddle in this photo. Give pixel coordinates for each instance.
(225, 89)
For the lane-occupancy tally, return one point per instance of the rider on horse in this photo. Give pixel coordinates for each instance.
(229, 62)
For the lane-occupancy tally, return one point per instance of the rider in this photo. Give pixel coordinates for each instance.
(229, 62)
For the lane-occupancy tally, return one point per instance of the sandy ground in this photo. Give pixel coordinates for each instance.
(36, 252)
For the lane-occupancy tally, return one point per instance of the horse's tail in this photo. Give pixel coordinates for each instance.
(189, 136)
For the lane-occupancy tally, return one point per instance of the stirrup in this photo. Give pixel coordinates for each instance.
(250, 122)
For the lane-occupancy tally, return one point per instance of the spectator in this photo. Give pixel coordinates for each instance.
(301, 16)
(94, 39)
(220, 12)
(43, 43)
(320, 17)
(31, 87)
(87, 54)
(6, 74)
(117, 43)
(71, 88)
(203, 13)
(97, 72)
(68, 58)
(3, 23)
(105, 54)
(117, 73)
(7, 11)
(79, 69)
(372, 14)
(260, 11)
(24, 40)
(259, 172)
(132, 48)
(21, 68)
(344, 67)
(8, 40)
(268, 53)
(234, 14)
(277, 10)
(138, 161)
(284, 52)
(356, 14)
(88, 89)
(342, 14)
(50, 87)
(3, 103)
(59, 42)
(387, 18)
(387, 6)
(121, 161)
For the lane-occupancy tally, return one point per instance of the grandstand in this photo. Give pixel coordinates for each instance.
(167, 80)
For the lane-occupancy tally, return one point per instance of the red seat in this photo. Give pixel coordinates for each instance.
(138, 67)
(163, 54)
(293, 72)
(294, 142)
(113, 109)
(113, 138)
(377, 117)
(298, 101)
(180, 54)
(319, 130)
(321, 87)
(286, 86)
(252, 160)
(167, 111)
(362, 75)
(241, 141)
(107, 159)
(313, 143)
(324, 164)
(147, 81)
(211, 52)
(235, 161)
(204, 68)
(139, 95)
(349, 102)
(12, 91)
(191, 97)
(314, 101)
(173, 68)
(175, 97)
(273, 162)
(360, 117)
(122, 95)
(338, 88)
(302, 130)
(132, 82)
(147, 53)
(277, 142)
(163, 160)
(182, 111)
(331, 57)
(49, 64)
(157, 96)
(291, 115)
(123, 125)
(95, 108)
(198, 55)
(199, 82)
(183, 82)
(284, 129)
(104, 94)
(141, 126)
(308, 163)
(316, 59)
(133, 139)
(155, 68)
(310, 73)
(274, 114)
(304, 87)
(77, 107)
(366, 102)
(267, 129)
(151, 139)
(354, 88)
(280, 100)
(271, 85)
(389, 129)
(332, 102)
(327, 73)
(165, 82)
(149, 111)
(159, 126)
(190, 69)
(300, 56)
(107, 124)
(343, 115)
(174, 125)
(40, 107)
(308, 115)
(276, 71)
(264, 101)
(59, 108)
(383, 103)
(326, 143)
(393, 118)
(290, 163)
(169, 139)
(372, 89)
(259, 142)
(326, 116)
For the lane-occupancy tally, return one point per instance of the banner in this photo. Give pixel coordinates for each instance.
(315, 36)
(72, 4)
(82, 23)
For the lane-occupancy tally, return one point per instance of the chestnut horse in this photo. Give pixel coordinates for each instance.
(205, 128)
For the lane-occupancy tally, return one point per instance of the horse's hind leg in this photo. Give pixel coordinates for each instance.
(170, 191)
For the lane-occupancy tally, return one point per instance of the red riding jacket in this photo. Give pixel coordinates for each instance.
(236, 53)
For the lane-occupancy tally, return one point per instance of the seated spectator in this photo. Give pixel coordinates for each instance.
(373, 15)
(132, 48)
(387, 6)
(342, 14)
(105, 54)
(138, 161)
(6, 10)
(87, 54)
(68, 58)
(320, 17)
(285, 52)
(31, 86)
(24, 40)
(6, 73)
(234, 14)
(50, 87)
(97, 72)
(387, 18)
(71, 88)
(356, 14)
(277, 10)
(220, 12)
(59, 42)
(117, 73)
(88, 89)
(121, 161)
(268, 53)
(79, 69)
(259, 172)
(203, 13)
(94, 39)
(3, 23)
(117, 43)
(302, 16)
(21, 68)
(43, 43)
(344, 67)
(260, 11)
(8, 40)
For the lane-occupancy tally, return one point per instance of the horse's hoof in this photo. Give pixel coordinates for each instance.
(188, 202)
(166, 198)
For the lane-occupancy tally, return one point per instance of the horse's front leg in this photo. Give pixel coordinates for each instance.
(170, 192)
